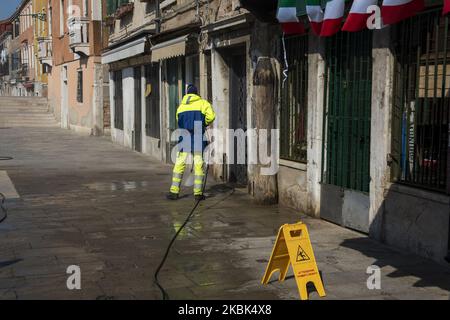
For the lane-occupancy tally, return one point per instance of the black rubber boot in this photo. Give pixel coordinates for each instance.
(172, 196)
(199, 197)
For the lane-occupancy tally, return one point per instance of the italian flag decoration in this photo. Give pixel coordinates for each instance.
(446, 6)
(287, 16)
(357, 17)
(393, 11)
(334, 13)
(315, 15)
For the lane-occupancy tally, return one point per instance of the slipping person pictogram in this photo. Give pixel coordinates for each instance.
(193, 109)
(302, 255)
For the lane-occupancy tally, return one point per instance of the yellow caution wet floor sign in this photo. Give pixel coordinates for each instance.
(293, 246)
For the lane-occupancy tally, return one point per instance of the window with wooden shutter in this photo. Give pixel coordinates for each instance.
(152, 101)
(118, 100)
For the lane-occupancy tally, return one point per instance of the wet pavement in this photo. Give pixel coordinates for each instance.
(88, 202)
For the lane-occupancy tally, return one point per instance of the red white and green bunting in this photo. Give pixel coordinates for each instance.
(357, 17)
(393, 11)
(446, 6)
(328, 22)
(334, 13)
(287, 16)
(315, 15)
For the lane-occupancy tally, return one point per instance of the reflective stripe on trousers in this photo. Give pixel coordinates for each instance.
(180, 167)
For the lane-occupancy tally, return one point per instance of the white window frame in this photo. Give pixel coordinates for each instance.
(61, 17)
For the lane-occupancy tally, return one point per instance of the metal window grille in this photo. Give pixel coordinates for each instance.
(16, 60)
(152, 101)
(118, 100)
(420, 129)
(348, 109)
(80, 87)
(294, 102)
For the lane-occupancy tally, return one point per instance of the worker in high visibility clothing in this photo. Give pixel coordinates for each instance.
(192, 111)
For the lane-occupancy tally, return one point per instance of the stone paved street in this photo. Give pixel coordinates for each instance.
(86, 201)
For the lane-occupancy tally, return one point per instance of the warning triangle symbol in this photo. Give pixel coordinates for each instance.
(302, 255)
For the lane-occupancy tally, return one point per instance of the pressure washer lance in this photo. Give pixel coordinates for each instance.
(165, 296)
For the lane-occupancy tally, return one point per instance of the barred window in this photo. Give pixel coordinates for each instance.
(421, 104)
(294, 101)
(80, 86)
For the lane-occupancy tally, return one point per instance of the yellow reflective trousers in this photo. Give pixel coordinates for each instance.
(178, 171)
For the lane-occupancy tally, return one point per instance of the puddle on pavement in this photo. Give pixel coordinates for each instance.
(117, 185)
(188, 231)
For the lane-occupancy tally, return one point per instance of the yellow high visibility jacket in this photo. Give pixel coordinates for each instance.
(193, 108)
